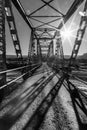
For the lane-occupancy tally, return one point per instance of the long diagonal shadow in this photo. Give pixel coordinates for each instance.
(36, 73)
(10, 118)
(18, 97)
(74, 96)
(38, 116)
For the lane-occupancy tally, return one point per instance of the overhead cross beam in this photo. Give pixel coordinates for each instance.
(46, 3)
(22, 12)
(48, 22)
(42, 29)
(41, 35)
(44, 38)
(44, 23)
(52, 7)
(66, 17)
(72, 9)
(46, 16)
(40, 8)
(51, 16)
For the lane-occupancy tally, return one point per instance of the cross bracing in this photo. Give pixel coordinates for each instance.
(45, 22)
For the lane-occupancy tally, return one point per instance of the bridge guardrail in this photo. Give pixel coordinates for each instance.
(26, 71)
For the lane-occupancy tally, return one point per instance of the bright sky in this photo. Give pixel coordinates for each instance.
(24, 31)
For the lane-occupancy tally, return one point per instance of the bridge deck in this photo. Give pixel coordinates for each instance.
(27, 107)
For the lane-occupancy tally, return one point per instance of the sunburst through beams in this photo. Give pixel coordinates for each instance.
(69, 33)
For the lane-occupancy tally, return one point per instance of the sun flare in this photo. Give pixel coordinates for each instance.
(66, 33)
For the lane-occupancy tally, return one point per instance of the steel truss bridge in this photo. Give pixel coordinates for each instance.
(42, 36)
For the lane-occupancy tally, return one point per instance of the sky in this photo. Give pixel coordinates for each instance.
(24, 30)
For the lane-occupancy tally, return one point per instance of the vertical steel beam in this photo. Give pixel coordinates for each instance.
(2, 41)
(40, 53)
(48, 54)
(38, 50)
(79, 37)
(59, 50)
(2, 46)
(30, 47)
(13, 30)
(51, 48)
(59, 45)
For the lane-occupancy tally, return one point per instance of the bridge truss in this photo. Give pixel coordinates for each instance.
(42, 36)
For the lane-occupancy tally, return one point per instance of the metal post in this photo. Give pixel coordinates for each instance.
(2, 46)
(30, 48)
(38, 51)
(59, 50)
(79, 37)
(51, 48)
(13, 30)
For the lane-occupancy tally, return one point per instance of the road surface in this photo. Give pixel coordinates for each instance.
(36, 105)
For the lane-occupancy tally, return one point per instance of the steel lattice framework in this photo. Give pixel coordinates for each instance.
(13, 30)
(2, 41)
(45, 32)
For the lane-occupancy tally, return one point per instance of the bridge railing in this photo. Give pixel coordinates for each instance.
(23, 73)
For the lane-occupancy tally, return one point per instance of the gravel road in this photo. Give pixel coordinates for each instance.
(28, 107)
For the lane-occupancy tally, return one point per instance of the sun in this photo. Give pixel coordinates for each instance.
(67, 33)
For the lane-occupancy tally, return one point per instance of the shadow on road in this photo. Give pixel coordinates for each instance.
(77, 105)
(21, 106)
(39, 115)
